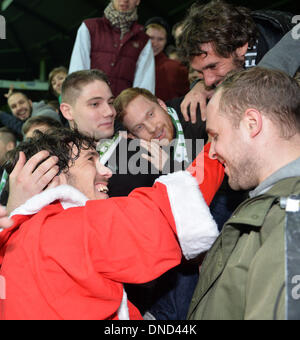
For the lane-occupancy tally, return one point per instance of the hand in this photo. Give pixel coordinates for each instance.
(26, 180)
(198, 95)
(158, 156)
(10, 92)
(5, 221)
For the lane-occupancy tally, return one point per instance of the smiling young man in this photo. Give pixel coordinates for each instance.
(148, 118)
(22, 108)
(87, 103)
(219, 37)
(254, 123)
(71, 248)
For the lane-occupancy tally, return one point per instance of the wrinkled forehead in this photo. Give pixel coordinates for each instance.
(138, 107)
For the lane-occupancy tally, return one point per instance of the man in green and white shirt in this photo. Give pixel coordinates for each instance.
(148, 118)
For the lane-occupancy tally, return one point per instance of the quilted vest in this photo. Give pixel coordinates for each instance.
(117, 58)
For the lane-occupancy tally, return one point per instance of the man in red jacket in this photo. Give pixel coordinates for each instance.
(70, 248)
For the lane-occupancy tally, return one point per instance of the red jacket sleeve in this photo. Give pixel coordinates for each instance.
(137, 238)
(208, 172)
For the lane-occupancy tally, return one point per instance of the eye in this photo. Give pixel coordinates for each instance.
(138, 128)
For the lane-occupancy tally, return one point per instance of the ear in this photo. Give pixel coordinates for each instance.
(10, 146)
(162, 104)
(66, 111)
(253, 122)
(241, 51)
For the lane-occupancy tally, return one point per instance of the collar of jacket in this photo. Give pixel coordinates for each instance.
(255, 217)
(67, 195)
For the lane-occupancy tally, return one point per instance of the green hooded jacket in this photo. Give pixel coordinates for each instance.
(243, 274)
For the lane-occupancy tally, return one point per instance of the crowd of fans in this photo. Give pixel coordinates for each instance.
(148, 115)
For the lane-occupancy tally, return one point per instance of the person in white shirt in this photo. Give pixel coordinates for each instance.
(117, 45)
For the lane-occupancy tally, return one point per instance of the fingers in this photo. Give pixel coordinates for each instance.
(158, 157)
(5, 221)
(26, 168)
(184, 108)
(152, 147)
(28, 179)
(23, 171)
(44, 179)
(47, 166)
(54, 183)
(19, 165)
(203, 109)
(147, 157)
(193, 111)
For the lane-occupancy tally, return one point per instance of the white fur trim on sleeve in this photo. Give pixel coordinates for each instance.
(195, 226)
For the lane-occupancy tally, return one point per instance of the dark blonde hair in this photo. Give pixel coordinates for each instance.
(73, 84)
(127, 96)
(272, 92)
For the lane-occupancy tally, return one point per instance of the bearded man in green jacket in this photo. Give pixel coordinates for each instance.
(254, 124)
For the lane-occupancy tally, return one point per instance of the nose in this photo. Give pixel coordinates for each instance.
(103, 170)
(153, 41)
(108, 110)
(19, 107)
(150, 127)
(210, 78)
(212, 152)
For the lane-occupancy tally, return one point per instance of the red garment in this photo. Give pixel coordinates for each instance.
(116, 58)
(71, 264)
(209, 169)
(171, 78)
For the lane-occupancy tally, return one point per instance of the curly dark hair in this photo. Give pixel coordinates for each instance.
(227, 26)
(58, 142)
